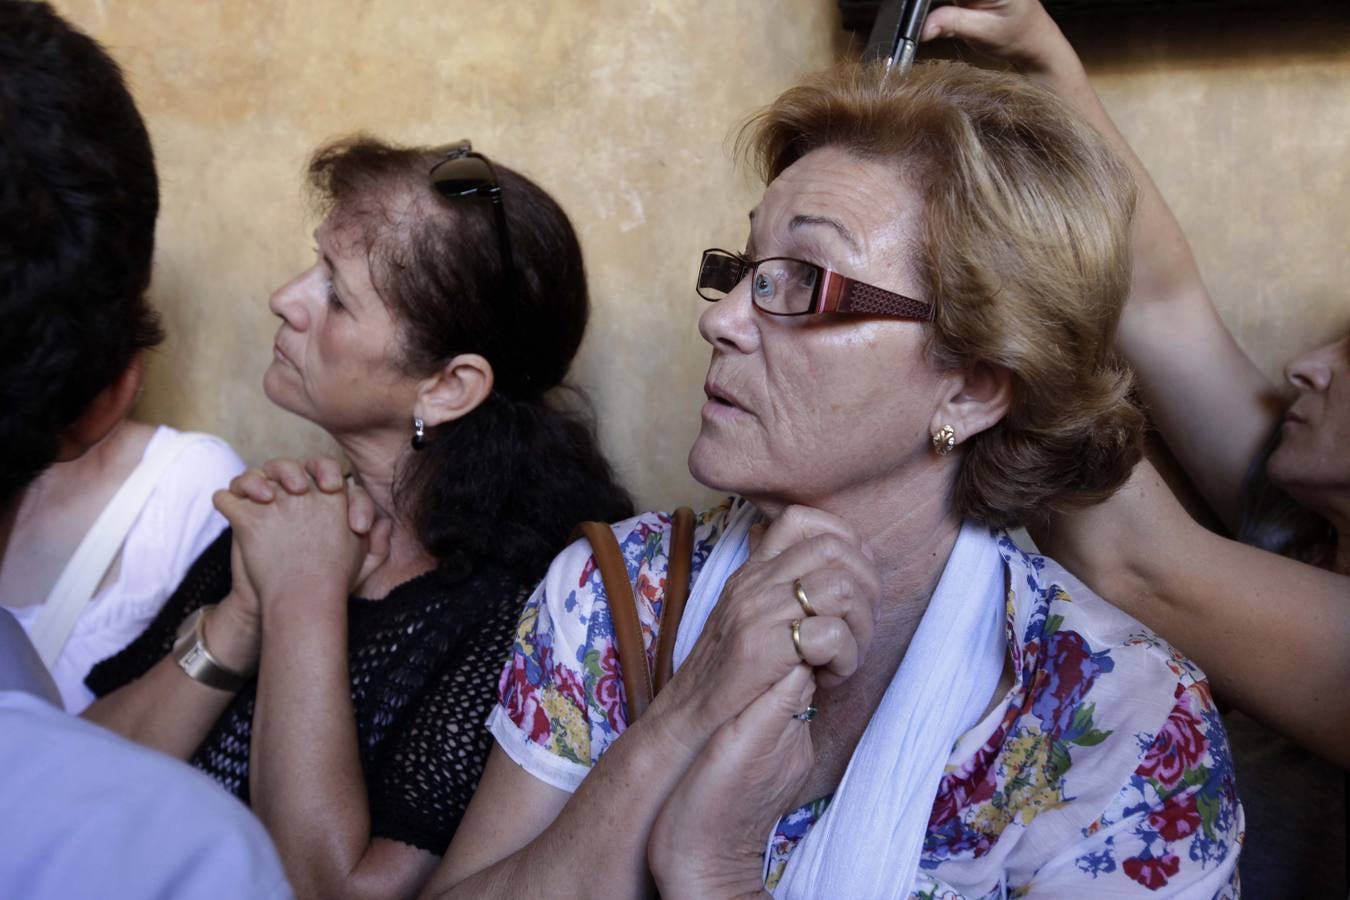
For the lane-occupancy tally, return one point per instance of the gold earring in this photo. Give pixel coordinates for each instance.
(944, 439)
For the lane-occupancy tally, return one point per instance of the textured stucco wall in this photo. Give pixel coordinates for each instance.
(622, 109)
(1244, 121)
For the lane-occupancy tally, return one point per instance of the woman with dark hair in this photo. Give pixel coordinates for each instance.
(331, 659)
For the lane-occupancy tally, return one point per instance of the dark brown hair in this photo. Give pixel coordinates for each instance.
(78, 201)
(508, 481)
(1025, 251)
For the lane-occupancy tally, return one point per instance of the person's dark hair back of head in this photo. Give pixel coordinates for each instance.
(509, 481)
(78, 201)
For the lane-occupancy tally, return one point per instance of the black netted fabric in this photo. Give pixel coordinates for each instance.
(424, 663)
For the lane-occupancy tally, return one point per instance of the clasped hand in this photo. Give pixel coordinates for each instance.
(748, 683)
(299, 528)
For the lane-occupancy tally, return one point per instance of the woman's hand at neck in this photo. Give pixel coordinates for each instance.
(908, 526)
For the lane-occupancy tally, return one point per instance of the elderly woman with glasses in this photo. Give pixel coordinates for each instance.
(331, 659)
(875, 692)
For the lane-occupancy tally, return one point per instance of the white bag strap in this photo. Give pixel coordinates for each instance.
(89, 563)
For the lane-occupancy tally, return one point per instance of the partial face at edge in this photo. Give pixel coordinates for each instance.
(803, 409)
(1313, 456)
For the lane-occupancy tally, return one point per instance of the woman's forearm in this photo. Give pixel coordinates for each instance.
(305, 776)
(164, 708)
(597, 844)
(1269, 632)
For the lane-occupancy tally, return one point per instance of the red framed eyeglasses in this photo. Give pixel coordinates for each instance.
(782, 286)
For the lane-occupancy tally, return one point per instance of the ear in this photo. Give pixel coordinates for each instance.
(975, 400)
(110, 406)
(454, 391)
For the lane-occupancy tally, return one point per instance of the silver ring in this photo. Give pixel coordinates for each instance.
(806, 715)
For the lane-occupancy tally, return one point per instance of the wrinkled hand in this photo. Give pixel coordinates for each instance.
(304, 530)
(746, 646)
(709, 838)
(1019, 31)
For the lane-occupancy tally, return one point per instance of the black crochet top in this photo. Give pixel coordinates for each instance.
(424, 665)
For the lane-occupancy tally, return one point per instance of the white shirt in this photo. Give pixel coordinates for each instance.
(177, 523)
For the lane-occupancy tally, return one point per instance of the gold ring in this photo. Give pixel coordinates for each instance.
(797, 639)
(801, 598)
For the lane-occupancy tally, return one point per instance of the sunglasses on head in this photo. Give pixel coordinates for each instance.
(463, 173)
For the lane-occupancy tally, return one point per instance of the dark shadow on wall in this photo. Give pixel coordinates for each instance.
(1209, 35)
(1215, 38)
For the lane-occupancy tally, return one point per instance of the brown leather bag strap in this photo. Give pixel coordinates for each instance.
(638, 685)
(677, 592)
(637, 679)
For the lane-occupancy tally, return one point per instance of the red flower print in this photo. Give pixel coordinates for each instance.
(609, 690)
(569, 685)
(1178, 817)
(535, 719)
(650, 590)
(520, 699)
(1153, 872)
(1181, 745)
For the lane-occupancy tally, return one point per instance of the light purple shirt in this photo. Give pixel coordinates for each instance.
(85, 813)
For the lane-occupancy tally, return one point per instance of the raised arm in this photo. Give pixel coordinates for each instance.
(524, 838)
(1214, 407)
(1270, 633)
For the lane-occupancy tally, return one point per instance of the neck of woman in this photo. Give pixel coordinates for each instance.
(908, 523)
(376, 460)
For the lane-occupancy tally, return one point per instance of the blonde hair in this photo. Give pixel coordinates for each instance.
(1025, 255)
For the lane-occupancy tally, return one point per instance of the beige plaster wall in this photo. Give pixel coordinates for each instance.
(622, 108)
(1244, 122)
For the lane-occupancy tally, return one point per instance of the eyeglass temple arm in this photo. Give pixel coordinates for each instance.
(839, 293)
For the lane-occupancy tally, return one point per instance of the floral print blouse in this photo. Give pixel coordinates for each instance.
(1104, 770)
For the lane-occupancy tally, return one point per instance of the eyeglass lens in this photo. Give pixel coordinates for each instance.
(780, 286)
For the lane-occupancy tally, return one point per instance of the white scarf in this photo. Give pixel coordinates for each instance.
(868, 842)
